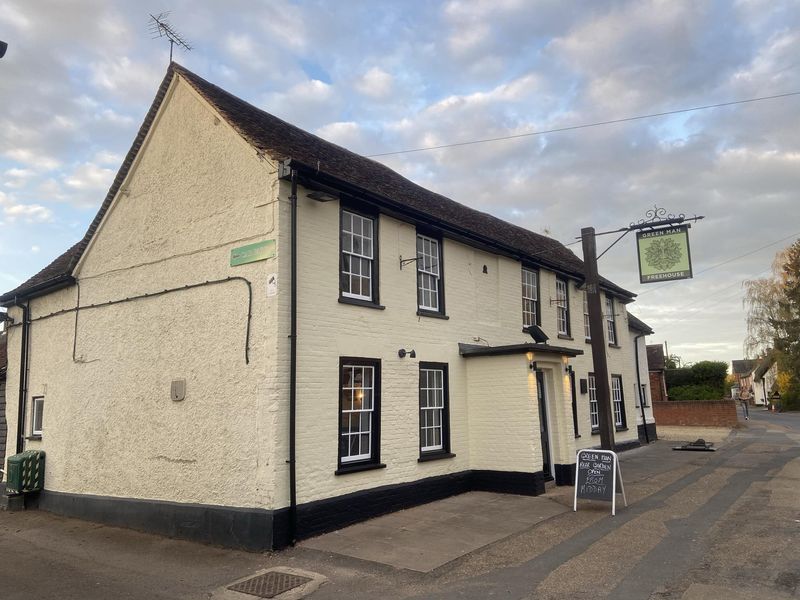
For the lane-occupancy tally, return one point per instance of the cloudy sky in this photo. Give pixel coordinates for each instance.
(384, 76)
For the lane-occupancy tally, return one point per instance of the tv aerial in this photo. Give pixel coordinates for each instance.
(161, 28)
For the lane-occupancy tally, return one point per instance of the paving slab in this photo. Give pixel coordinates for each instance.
(426, 537)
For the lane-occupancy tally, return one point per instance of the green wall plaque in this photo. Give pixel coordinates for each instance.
(253, 253)
(664, 254)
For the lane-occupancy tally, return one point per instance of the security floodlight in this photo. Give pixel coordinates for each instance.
(3, 48)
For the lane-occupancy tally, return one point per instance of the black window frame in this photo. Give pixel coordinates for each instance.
(374, 216)
(374, 461)
(624, 425)
(437, 237)
(537, 315)
(444, 451)
(568, 333)
(612, 320)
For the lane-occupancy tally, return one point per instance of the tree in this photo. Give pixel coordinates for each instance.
(673, 361)
(773, 318)
(762, 301)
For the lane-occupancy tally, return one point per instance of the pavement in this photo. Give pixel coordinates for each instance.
(698, 526)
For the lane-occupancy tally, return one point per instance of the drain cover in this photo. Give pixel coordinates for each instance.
(269, 584)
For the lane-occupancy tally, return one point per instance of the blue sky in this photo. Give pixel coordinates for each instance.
(384, 76)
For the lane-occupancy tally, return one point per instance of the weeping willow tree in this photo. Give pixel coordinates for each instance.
(762, 301)
(773, 319)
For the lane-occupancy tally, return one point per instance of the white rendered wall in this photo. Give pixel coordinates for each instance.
(479, 305)
(110, 427)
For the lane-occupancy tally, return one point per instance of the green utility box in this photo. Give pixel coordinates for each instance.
(25, 472)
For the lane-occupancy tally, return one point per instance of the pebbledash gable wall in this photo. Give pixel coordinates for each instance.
(110, 428)
(702, 413)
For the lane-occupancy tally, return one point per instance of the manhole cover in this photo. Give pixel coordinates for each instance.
(269, 584)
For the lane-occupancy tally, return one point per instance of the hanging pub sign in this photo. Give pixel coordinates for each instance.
(664, 254)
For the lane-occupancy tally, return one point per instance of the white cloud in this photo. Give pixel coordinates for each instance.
(375, 83)
(89, 176)
(29, 213)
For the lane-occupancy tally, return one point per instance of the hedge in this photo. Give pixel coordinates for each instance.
(704, 380)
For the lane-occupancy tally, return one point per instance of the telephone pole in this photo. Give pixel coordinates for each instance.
(597, 331)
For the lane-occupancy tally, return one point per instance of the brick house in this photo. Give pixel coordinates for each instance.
(657, 366)
(263, 336)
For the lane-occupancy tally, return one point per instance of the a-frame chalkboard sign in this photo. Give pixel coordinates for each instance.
(596, 475)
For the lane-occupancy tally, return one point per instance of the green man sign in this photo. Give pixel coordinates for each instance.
(664, 254)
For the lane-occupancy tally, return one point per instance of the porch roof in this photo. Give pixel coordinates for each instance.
(467, 350)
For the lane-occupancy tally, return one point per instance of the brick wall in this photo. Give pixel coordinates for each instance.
(702, 413)
(657, 386)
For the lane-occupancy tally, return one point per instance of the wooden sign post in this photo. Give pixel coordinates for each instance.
(596, 474)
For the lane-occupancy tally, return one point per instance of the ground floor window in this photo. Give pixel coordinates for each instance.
(616, 398)
(593, 414)
(433, 408)
(38, 415)
(359, 414)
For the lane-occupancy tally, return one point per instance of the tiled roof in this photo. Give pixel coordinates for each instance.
(635, 323)
(281, 140)
(655, 357)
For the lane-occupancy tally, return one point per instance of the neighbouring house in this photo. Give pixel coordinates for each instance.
(645, 422)
(657, 366)
(263, 336)
(743, 374)
(765, 378)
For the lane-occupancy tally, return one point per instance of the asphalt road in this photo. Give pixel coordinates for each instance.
(699, 526)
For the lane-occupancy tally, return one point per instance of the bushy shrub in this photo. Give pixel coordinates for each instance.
(705, 380)
(695, 392)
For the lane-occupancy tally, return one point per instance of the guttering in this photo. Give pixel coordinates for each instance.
(639, 381)
(293, 368)
(307, 172)
(51, 285)
(23, 374)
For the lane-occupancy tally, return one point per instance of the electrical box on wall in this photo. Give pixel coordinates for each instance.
(178, 390)
(584, 386)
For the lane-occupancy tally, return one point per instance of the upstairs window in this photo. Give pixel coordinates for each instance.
(358, 279)
(530, 297)
(587, 332)
(611, 324)
(430, 292)
(562, 307)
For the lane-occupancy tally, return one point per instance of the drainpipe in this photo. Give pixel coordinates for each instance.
(639, 380)
(293, 369)
(23, 375)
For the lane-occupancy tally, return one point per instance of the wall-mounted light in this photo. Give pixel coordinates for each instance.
(322, 196)
(533, 366)
(402, 353)
(568, 369)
